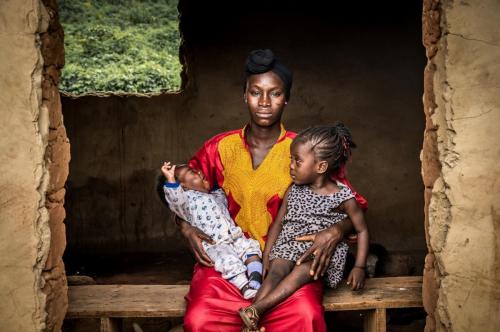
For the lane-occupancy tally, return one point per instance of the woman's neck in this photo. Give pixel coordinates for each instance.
(257, 135)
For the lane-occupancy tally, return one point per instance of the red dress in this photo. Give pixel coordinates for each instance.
(254, 197)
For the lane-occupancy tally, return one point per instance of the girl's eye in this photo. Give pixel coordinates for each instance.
(276, 94)
(254, 93)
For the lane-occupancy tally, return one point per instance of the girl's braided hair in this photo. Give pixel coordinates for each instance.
(330, 143)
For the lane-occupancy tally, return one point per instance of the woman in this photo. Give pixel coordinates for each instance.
(252, 166)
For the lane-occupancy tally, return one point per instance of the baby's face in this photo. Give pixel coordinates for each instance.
(193, 179)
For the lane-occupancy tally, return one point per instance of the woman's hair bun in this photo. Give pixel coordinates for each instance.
(260, 61)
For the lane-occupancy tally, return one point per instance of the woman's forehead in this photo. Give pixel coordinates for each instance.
(265, 80)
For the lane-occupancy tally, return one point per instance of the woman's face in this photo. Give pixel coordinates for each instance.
(265, 97)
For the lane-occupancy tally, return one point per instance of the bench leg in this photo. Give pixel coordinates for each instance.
(375, 321)
(110, 324)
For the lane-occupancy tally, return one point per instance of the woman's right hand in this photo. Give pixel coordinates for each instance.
(195, 236)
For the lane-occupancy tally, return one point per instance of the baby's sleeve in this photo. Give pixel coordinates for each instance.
(220, 197)
(177, 200)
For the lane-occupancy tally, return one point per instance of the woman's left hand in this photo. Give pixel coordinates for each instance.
(321, 251)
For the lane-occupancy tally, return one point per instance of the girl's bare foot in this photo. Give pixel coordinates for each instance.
(250, 318)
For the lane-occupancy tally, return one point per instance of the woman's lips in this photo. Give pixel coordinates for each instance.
(264, 115)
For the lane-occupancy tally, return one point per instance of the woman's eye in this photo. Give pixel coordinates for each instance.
(254, 93)
(276, 94)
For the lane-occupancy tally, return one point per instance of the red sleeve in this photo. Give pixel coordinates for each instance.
(207, 160)
(363, 203)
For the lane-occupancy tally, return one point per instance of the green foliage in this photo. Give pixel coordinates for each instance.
(127, 46)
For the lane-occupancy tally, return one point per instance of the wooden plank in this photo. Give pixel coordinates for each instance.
(90, 301)
(126, 301)
(110, 324)
(395, 292)
(375, 321)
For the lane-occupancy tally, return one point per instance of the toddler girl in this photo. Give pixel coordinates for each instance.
(312, 203)
(235, 257)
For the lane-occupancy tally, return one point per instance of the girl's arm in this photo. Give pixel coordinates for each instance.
(357, 276)
(273, 233)
(277, 225)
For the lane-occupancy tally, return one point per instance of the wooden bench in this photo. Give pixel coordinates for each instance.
(110, 303)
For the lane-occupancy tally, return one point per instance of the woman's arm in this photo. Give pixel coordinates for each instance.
(194, 237)
(323, 247)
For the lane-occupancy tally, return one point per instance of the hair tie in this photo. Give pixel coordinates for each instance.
(345, 143)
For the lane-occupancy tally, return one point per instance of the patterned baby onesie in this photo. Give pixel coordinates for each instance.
(308, 213)
(208, 212)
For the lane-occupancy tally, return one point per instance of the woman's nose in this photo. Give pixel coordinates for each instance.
(264, 100)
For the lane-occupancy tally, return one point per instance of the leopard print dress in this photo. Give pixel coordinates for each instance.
(309, 213)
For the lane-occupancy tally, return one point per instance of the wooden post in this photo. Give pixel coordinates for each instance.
(110, 324)
(375, 321)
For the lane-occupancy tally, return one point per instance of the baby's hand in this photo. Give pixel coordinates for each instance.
(356, 278)
(168, 171)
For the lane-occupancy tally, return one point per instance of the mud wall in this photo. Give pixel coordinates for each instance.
(24, 228)
(460, 165)
(57, 158)
(33, 170)
(363, 69)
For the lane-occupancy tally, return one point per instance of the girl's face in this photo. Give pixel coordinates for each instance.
(265, 97)
(303, 165)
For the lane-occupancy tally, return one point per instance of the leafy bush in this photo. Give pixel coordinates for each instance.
(126, 46)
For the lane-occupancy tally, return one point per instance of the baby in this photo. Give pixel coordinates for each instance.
(237, 258)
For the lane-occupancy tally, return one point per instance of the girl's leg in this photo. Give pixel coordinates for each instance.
(279, 268)
(298, 277)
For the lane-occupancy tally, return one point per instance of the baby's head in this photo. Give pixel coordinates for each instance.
(191, 178)
(319, 151)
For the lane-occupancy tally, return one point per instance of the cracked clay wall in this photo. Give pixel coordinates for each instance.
(460, 165)
(34, 167)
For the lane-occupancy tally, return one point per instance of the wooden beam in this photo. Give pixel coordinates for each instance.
(375, 321)
(110, 324)
(95, 301)
(392, 292)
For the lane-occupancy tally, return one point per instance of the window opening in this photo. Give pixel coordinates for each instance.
(120, 47)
